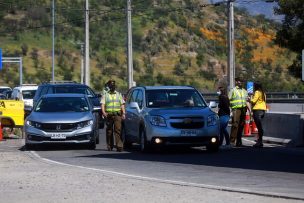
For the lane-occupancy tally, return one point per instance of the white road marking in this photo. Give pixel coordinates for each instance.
(267, 144)
(173, 182)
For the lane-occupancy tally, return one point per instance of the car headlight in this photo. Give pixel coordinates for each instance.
(212, 120)
(158, 121)
(84, 124)
(33, 124)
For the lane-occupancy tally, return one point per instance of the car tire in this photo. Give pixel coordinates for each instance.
(29, 147)
(124, 139)
(212, 148)
(92, 145)
(97, 136)
(97, 139)
(144, 146)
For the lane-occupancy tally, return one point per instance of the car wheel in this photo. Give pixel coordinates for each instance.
(144, 146)
(97, 136)
(29, 147)
(97, 139)
(124, 138)
(212, 148)
(92, 145)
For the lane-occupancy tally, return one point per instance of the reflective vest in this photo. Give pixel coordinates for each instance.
(113, 102)
(238, 98)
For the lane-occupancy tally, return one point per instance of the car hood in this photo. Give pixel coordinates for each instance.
(182, 112)
(60, 117)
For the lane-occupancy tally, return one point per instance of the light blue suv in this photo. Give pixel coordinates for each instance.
(158, 116)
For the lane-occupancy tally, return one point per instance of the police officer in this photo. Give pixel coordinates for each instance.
(238, 103)
(112, 105)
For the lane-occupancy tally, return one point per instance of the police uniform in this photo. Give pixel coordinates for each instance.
(238, 103)
(113, 104)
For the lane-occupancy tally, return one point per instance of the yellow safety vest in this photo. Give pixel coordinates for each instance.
(238, 98)
(113, 102)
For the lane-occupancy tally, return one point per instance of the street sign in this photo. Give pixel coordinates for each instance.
(0, 59)
(250, 87)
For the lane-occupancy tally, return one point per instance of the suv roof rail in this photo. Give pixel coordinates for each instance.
(28, 85)
(59, 82)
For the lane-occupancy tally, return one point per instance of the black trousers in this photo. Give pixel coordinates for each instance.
(258, 115)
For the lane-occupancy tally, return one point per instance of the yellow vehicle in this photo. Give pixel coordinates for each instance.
(12, 113)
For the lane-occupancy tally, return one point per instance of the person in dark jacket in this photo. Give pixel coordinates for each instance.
(224, 114)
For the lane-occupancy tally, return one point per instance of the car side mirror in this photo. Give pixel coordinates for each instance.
(96, 108)
(134, 105)
(98, 95)
(27, 111)
(212, 105)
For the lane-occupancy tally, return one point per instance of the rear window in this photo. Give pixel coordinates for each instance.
(3, 90)
(28, 94)
(174, 98)
(74, 89)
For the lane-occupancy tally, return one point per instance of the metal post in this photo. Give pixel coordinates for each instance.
(20, 70)
(87, 59)
(82, 63)
(130, 54)
(231, 56)
(303, 65)
(53, 41)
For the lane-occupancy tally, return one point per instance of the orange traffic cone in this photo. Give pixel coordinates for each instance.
(254, 128)
(247, 129)
(1, 134)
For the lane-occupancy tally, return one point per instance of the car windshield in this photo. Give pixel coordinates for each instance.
(28, 94)
(74, 89)
(3, 90)
(174, 98)
(62, 104)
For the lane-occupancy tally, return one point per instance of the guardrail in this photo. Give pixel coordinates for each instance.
(272, 97)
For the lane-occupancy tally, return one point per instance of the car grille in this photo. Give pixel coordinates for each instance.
(42, 138)
(187, 122)
(55, 127)
(186, 140)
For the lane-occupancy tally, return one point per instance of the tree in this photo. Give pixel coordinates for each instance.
(291, 34)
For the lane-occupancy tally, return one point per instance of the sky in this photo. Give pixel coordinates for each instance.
(256, 7)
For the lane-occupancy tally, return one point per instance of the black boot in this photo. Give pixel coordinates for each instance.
(258, 144)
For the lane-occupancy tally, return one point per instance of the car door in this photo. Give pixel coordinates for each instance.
(137, 116)
(130, 114)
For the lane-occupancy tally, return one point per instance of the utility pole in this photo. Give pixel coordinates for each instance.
(82, 63)
(53, 40)
(130, 52)
(87, 46)
(231, 54)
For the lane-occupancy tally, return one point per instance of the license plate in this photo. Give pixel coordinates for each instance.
(188, 133)
(58, 136)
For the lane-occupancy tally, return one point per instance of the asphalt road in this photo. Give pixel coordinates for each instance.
(274, 171)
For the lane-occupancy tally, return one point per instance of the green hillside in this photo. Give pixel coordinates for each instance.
(174, 42)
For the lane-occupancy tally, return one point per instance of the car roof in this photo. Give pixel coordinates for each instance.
(62, 84)
(64, 95)
(27, 87)
(168, 87)
(5, 87)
